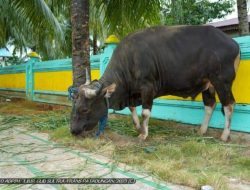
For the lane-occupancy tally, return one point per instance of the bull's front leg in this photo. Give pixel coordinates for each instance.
(144, 128)
(147, 102)
(135, 118)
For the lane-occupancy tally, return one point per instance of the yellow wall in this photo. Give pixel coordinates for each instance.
(61, 80)
(57, 80)
(12, 80)
(241, 85)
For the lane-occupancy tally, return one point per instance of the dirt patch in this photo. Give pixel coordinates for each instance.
(120, 140)
(177, 129)
(18, 106)
(48, 107)
(246, 153)
(235, 137)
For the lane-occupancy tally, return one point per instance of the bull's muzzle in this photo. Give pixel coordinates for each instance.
(75, 131)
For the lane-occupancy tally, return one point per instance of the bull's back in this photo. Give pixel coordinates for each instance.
(175, 59)
(178, 45)
(176, 55)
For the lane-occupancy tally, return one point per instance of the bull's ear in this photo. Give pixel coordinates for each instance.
(108, 91)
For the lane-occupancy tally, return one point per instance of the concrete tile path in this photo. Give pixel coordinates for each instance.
(27, 154)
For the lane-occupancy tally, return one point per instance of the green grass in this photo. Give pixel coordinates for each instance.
(172, 152)
(45, 121)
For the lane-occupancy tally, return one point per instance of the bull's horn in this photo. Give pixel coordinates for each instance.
(90, 93)
(91, 90)
(87, 77)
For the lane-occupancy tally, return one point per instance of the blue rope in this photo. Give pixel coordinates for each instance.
(102, 124)
(103, 121)
(71, 91)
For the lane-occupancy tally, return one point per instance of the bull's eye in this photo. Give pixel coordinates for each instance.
(75, 95)
(83, 110)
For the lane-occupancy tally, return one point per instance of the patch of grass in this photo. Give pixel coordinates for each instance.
(244, 162)
(192, 161)
(19, 107)
(50, 121)
(38, 116)
(101, 146)
(189, 163)
(216, 179)
(173, 152)
(61, 133)
(44, 122)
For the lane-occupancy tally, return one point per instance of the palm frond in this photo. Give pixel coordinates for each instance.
(124, 16)
(39, 15)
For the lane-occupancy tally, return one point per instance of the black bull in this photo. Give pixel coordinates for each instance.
(181, 61)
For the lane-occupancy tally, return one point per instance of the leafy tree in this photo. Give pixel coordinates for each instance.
(46, 24)
(125, 16)
(194, 12)
(118, 16)
(31, 23)
(97, 28)
(243, 18)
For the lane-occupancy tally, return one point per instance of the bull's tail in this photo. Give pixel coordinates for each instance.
(222, 110)
(236, 66)
(237, 62)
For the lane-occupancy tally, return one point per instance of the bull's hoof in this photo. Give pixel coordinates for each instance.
(202, 132)
(138, 129)
(142, 137)
(225, 138)
(225, 135)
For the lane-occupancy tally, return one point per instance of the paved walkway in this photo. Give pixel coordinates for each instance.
(25, 154)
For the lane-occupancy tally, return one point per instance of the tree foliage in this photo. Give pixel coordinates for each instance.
(194, 12)
(46, 24)
(125, 16)
(31, 23)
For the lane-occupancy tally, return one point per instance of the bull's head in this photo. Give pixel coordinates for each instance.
(89, 106)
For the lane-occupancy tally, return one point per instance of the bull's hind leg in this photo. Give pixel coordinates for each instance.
(209, 102)
(228, 110)
(227, 100)
(135, 118)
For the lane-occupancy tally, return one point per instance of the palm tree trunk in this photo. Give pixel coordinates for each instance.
(94, 43)
(243, 18)
(80, 40)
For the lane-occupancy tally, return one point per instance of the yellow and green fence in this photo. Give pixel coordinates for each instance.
(48, 82)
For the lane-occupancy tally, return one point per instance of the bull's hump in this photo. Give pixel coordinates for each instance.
(149, 32)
